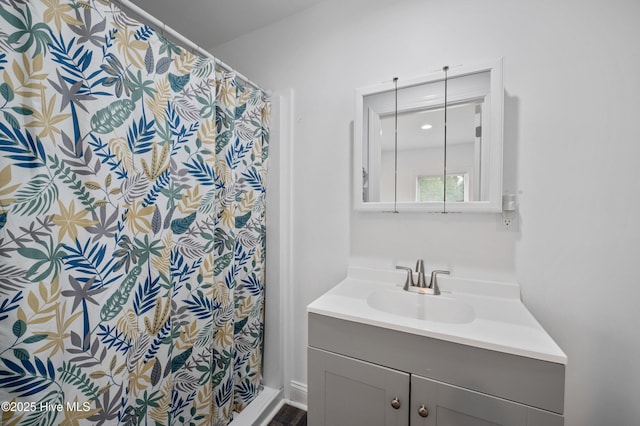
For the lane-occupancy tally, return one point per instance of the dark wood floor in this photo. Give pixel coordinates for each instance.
(289, 416)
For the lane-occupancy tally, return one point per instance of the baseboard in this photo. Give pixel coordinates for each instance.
(298, 395)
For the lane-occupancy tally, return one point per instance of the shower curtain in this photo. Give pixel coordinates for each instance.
(132, 223)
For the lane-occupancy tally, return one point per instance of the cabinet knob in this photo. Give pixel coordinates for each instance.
(395, 403)
(422, 411)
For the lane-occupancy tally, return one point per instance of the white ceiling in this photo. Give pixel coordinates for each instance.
(209, 23)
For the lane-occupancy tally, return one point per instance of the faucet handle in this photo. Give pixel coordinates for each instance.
(409, 281)
(433, 284)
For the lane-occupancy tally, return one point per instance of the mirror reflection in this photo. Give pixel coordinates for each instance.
(420, 142)
(421, 151)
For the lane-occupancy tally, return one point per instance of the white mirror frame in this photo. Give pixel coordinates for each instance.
(493, 203)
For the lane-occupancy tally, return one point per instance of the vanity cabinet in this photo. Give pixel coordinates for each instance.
(361, 374)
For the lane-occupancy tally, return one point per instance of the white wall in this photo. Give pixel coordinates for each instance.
(572, 80)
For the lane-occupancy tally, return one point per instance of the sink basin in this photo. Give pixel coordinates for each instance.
(421, 306)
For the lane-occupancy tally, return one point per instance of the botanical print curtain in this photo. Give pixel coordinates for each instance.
(132, 229)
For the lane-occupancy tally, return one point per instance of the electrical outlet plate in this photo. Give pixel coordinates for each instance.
(507, 221)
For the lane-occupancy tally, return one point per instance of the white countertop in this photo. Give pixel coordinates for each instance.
(501, 322)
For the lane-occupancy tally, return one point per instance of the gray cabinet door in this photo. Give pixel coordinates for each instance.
(347, 392)
(449, 405)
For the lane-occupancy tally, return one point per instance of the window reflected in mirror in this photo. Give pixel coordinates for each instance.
(430, 188)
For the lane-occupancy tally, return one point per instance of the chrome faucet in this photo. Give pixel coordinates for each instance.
(421, 286)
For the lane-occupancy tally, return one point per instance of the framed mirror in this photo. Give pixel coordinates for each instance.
(402, 152)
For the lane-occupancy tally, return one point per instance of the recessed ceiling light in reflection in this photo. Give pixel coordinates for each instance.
(426, 126)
